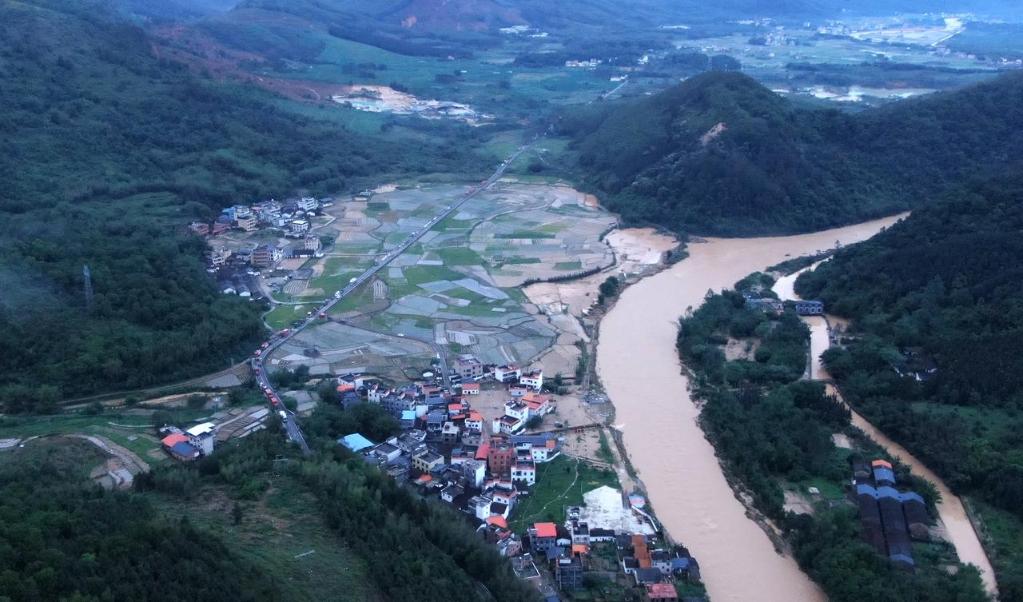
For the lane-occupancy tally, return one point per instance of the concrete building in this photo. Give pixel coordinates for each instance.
(266, 256)
(427, 461)
(468, 367)
(507, 374)
(249, 223)
(533, 380)
(202, 437)
(500, 457)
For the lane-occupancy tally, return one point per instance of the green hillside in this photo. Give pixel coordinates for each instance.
(937, 312)
(107, 152)
(721, 154)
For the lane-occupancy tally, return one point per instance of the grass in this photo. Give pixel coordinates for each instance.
(284, 536)
(358, 298)
(459, 256)
(421, 274)
(517, 260)
(526, 234)
(604, 453)
(568, 265)
(1002, 535)
(333, 282)
(557, 487)
(450, 223)
(283, 315)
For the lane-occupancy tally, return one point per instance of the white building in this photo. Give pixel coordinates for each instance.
(308, 203)
(524, 472)
(480, 506)
(507, 374)
(202, 436)
(533, 380)
(475, 472)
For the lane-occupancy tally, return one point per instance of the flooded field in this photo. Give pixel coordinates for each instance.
(639, 367)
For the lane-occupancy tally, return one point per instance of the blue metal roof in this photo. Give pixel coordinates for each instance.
(355, 442)
(882, 474)
(184, 449)
(862, 489)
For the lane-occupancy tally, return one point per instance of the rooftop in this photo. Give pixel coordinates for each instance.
(355, 442)
(201, 429)
(545, 529)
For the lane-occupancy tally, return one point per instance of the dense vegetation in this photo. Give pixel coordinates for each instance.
(107, 151)
(935, 361)
(64, 538)
(721, 154)
(415, 549)
(772, 430)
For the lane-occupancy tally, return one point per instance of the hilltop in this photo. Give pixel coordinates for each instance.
(721, 154)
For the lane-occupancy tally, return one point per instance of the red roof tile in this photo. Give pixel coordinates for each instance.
(174, 439)
(545, 530)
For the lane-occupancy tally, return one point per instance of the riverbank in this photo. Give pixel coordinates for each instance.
(638, 366)
(959, 524)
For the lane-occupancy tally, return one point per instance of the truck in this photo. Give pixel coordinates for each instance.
(283, 415)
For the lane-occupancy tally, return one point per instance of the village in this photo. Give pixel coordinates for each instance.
(488, 463)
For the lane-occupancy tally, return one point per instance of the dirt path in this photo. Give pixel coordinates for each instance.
(128, 457)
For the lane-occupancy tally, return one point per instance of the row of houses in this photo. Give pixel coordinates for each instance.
(568, 550)
(467, 368)
(445, 448)
(446, 451)
(890, 518)
(774, 306)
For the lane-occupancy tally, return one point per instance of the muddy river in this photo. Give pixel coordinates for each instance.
(639, 367)
(951, 511)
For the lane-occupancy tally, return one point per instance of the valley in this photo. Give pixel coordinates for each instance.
(432, 299)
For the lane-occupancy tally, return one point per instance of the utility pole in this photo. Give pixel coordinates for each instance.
(88, 287)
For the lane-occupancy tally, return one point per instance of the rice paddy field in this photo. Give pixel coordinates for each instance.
(458, 289)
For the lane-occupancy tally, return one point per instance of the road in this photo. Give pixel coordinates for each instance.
(289, 419)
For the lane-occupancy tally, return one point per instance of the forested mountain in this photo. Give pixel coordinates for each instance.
(64, 538)
(721, 154)
(936, 359)
(106, 151)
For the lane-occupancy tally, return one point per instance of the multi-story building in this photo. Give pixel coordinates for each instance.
(219, 256)
(533, 380)
(468, 367)
(249, 223)
(500, 457)
(202, 437)
(307, 203)
(266, 256)
(427, 460)
(524, 472)
(507, 374)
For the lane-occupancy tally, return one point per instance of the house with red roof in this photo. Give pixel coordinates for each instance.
(543, 537)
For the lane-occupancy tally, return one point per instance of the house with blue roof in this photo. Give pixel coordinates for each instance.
(355, 442)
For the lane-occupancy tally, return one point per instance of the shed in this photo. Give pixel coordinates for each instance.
(355, 442)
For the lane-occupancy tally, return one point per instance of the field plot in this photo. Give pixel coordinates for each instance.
(456, 291)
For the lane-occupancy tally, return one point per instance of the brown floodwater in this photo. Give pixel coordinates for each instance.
(951, 511)
(639, 367)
